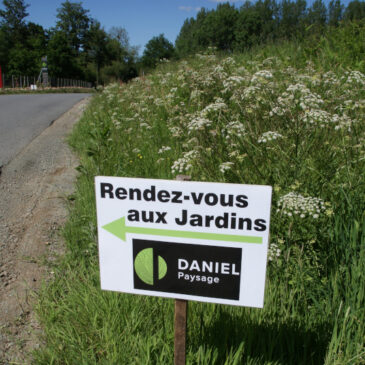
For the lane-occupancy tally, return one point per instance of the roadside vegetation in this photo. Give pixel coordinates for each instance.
(288, 115)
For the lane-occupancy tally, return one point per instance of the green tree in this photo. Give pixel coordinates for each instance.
(268, 12)
(292, 18)
(256, 23)
(355, 10)
(156, 49)
(186, 41)
(4, 50)
(123, 55)
(73, 21)
(13, 27)
(68, 39)
(36, 46)
(317, 14)
(22, 44)
(14, 14)
(122, 48)
(335, 12)
(62, 61)
(96, 47)
(220, 26)
(121, 36)
(248, 27)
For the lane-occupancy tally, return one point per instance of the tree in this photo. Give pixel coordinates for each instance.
(123, 55)
(62, 61)
(355, 10)
(96, 47)
(21, 45)
(120, 35)
(66, 49)
(248, 28)
(124, 50)
(185, 42)
(292, 18)
(220, 25)
(14, 14)
(335, 12)
(156, 49)
(4, 50)
(194, 35)
(36, 46)
(73, 21)
(317, 14)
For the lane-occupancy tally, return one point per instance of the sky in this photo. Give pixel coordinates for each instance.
(142, 19)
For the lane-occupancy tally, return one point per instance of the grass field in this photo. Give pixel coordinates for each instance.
(276, 116)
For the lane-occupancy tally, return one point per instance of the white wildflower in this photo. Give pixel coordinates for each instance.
(231, 83)
(273, 252)
(217, 106)
(296, 204)
(198, 124)
(236, 129)
(317, 117)
(164, 149)
(176, 131)
(225, 166)
(260, 76)
(195, 94)
(184, 163)
(229, 61)
(343, 122)
(269, 136)
(356, 77)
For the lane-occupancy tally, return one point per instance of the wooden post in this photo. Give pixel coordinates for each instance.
(180, 319)
(180, 331)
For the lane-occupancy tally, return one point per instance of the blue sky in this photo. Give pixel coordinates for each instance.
(143, 19)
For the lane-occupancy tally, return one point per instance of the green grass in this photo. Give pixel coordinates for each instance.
(315, 290)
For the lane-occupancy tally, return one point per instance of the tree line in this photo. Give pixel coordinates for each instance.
(78, 46)
(232, 29)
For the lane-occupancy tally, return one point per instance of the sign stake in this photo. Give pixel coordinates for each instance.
(181, 307)
(180, 331)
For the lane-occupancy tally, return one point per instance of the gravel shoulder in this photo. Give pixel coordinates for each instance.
(33, 191)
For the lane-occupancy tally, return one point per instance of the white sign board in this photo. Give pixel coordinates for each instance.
(187, 240)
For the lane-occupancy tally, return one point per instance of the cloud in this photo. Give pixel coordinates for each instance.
(188, 8)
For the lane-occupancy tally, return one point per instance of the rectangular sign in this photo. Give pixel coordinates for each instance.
(187, 240)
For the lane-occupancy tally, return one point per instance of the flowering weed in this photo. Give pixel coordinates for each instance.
(244, 119)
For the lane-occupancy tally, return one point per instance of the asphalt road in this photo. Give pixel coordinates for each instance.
(24, 117)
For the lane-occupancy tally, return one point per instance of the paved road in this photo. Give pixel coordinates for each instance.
(24, 117)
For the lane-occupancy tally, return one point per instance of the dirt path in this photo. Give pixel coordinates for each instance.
(33, 188)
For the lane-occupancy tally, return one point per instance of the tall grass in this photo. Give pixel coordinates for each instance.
(263, 118)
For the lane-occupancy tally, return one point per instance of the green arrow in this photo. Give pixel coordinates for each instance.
(119, 228)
